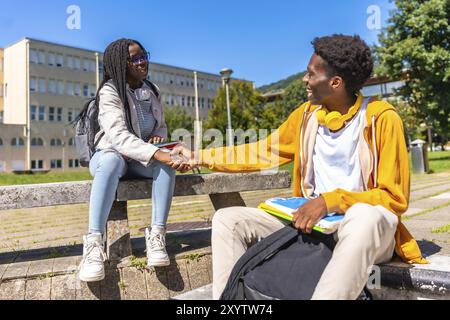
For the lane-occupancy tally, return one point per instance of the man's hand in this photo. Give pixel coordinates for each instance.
(178, 163)
(307, 216)
(190, 156)
(156, 140)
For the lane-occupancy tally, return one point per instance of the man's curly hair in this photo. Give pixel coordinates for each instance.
(348, 57)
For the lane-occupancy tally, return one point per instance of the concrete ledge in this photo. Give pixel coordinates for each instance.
(433, 278)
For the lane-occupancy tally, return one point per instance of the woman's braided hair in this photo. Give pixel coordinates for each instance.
(115, 66)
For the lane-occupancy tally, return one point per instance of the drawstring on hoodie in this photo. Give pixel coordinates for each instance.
(375, 154)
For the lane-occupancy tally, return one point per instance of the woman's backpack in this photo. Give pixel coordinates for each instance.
(287, 265)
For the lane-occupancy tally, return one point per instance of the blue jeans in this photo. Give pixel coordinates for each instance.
(107, 167)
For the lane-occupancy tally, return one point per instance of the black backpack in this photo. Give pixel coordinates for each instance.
(287, 265)
(87, 127)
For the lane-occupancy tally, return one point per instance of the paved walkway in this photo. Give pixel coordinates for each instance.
(40, 248)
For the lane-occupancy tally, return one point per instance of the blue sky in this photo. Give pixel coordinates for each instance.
(261, 40)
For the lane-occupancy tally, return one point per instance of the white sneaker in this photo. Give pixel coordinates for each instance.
(155, 241)
(92, 266)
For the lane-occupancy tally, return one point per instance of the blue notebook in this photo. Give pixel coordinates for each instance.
(328, 224)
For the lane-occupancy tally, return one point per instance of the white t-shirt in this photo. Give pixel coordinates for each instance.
(336, 157)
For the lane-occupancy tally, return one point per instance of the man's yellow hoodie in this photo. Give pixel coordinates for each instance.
(384, 163)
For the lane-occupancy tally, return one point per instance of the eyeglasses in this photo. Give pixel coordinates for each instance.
(140, 59)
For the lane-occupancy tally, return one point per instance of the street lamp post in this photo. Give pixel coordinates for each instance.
(226, 76)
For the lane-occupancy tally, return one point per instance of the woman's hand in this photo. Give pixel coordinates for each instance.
(190, 156)
(176, 163)
(156, 140)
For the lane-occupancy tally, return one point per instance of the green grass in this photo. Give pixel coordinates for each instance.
(16, 179)
(439, 161)
(443, 229)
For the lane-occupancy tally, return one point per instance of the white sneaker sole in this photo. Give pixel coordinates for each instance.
(158, 263)
(92, 278)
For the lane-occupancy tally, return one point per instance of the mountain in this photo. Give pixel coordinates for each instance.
(282, 84)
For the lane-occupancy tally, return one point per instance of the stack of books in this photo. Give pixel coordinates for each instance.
(284, 208)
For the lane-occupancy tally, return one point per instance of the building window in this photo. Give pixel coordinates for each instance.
(1, 142)
(41, 57)
(17, 142)
(51, 87)
(42, 85)
(59, 115)
(77, 89)
(69, 62)
(60, 88)
(59, 60)
(33, 113)
(74, 163)
(183, 100)
(77, 63)
(33, 56)
(85, 65)
(93, 90)
(72, 142)
(92, 66)
(37, 142)
(51, 114)
(69, 89)
(51, 59)
(33, 86)
(55, 142)
(41, 113)
(85, 90)
(37, 164)
(70, 116)
(56, 164)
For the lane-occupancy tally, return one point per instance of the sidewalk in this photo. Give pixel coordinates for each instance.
(40, 248)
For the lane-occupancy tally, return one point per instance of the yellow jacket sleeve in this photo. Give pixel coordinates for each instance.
(393, 182)
(274, 151)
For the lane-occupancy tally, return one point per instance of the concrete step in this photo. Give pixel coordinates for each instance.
(202, 293)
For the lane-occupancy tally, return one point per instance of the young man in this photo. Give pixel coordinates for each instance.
(353, 162)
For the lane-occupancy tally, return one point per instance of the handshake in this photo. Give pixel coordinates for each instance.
(179, 158)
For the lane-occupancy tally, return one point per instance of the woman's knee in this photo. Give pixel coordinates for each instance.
(111, 162)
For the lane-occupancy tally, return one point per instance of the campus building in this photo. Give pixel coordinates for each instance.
(44, 87)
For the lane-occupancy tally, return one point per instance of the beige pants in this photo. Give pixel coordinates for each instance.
(365, 237)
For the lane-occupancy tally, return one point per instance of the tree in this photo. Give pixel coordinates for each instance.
(178, 118)
(275, 113)
(416, 44)
(244, 101)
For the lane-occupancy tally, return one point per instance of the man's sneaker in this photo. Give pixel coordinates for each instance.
(155, 241)
(92, 266)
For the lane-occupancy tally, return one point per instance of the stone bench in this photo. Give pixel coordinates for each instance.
(223, 190)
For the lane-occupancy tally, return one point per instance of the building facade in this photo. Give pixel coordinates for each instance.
(44, 87)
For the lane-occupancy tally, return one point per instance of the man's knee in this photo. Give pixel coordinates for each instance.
(365, 214)
(370, 222)
(224, 217)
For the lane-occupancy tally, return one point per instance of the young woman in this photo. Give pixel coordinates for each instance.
(131, 121)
